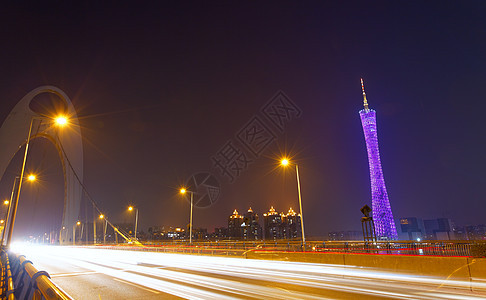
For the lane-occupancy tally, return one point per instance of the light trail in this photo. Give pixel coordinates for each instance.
(210, 277)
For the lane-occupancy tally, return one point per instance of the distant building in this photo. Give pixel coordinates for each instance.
(199, 233)
(476, 232)
(234, 225)
(438, 229)
(156, 232)
(411, 228)
(460, 233)
(291, 224)
(272, 224)
(220, 233)
(348, 235)
(281, 226)
(251, 228)
(175, 233)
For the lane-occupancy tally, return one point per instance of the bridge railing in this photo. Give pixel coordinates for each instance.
(7, 289)
(28, 283)
(424, 248)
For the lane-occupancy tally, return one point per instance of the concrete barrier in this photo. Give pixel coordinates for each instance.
(445, 268)
(442, 267)
(477, 269)
(310, 257)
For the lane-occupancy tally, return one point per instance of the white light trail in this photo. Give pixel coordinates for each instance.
(210, 277)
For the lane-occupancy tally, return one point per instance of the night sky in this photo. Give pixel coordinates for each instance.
(160, 89)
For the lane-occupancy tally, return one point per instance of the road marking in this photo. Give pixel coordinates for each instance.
(73, 274)
(136, 285)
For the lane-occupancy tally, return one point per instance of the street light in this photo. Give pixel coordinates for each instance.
(2, 221)
(102, 216)
(7, 214)
(285, 162)
(12, 206)
(74, 232)
(61, 121)
(130, 208)
(183, 191)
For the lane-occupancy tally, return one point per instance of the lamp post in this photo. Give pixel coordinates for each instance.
(8, 203)
(7, 217)
(13, 208)
(82, 230)
(2, 224)
(285, 162)
(102, 216)
(183, 191)
(130, 208)
(74, 232)
(61, 121)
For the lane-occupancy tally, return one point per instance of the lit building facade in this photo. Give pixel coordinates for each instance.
(234, 225)
(281, 226)
(411, 228)
(272, 224)
(251, 228)
(381, 209)
(291, 223)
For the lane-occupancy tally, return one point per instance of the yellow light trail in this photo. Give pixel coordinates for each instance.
(211, 277)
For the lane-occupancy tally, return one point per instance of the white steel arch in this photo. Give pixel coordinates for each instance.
(68, 142)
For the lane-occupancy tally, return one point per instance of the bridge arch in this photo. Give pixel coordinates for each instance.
(68, 142)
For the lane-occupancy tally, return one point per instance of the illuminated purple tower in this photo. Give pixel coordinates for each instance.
(381, 209)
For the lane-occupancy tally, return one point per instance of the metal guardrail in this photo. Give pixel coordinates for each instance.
(7, 289)
(240, 247)
(28, 283)
(424, 248)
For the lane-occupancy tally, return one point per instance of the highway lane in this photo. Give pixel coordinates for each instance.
(93, 273)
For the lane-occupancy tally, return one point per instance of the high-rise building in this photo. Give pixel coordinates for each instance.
(411, 228)
(280, 225)
(291, 224)
(438, 229)
(234, 225)
(273, 225)
(251, 228)
(381, 210)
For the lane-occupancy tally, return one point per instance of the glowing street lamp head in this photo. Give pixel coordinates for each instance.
(130, 208)
(61, 120)
(78, 223)
(284, 162)
(6, 202)
(102, 216)
(31, 177)
(183, 191)
(2, 221)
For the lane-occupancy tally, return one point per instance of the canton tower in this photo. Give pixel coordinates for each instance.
(381, 209)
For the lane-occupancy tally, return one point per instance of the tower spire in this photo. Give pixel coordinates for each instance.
(364, 95)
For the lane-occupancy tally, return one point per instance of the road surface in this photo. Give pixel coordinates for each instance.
(91, 273)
